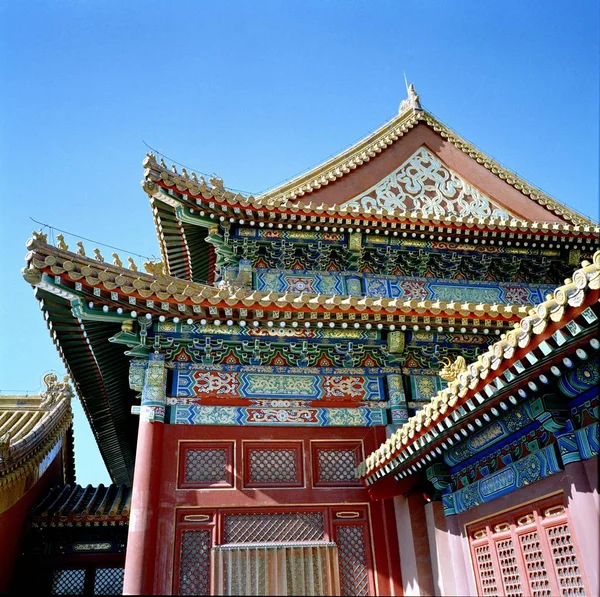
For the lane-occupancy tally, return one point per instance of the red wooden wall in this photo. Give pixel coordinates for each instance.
(235, 484)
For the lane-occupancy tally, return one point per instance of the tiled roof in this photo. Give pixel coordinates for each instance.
(291, 197)
(480, 382)
(30, 426)
(218, 201)
(119, 284)
(74, 504)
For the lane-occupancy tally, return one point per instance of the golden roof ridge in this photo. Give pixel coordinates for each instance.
(332, 169)
(32, 419)
(263, 205)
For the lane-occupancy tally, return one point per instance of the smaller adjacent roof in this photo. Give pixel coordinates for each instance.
(480, 381)
(30, 429)
(73, 504)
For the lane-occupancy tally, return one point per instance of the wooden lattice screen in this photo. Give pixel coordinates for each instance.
(527, 551)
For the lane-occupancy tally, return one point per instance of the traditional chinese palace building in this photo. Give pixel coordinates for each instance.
(379, 378)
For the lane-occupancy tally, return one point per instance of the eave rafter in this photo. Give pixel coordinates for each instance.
(98, 372)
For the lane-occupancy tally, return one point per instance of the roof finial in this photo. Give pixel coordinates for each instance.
(412, 101)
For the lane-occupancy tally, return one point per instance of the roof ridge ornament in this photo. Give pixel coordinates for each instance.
(411, 102)
(55, 389)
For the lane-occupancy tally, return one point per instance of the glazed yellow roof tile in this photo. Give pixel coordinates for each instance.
(30, 425)
(571, 294)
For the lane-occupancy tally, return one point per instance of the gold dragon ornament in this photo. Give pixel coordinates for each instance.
(451, 370)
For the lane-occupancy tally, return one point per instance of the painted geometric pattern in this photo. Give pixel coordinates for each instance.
(434, 289)
(267, 527)
(473, 445)
(447, 338)
(231, 355)
(311, 283)
(293, 235)
(425, 185)
(314, 417)
(425, 387)
(212, 384)
(512, 293)
(534, 467)
(272, 466)
(177, 329)
(576, 382)
(588, 442)
(496, 457)
(354, 578)
(137, 374)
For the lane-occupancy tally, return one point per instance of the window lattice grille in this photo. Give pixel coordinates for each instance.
(194, 572)
(565, 560)
(509, 568)
(534, 561)
(108, 581)
(285, 526)
(483, 559)
(68, 582)
(206, 465)
(354, 577)
(337, 465)
(272, 466)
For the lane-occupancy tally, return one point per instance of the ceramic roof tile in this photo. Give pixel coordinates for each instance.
(75, 503)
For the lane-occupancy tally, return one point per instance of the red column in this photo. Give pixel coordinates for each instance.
(415, 559)
(143, 519)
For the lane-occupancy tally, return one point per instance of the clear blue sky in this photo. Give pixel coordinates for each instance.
(258, 92)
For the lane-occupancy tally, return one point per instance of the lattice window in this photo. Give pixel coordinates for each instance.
(565, 560)
(194, 571)
(272, 466)
(68, 582)
(281, 526)
(539, 582)
(509, 568)
(485, 569)
(337, 466)
(528, 550)
(109, 581)
(352, 553)
(206, 466)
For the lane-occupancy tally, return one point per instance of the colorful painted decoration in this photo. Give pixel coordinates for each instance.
(425, 185)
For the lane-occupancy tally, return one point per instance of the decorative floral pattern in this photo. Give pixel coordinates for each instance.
(425, 185)
(235, 385)
(315, 417)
